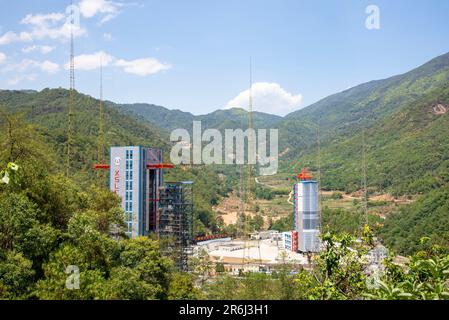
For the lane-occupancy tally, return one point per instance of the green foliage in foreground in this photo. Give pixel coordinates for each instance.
(51, 228)
(37, 252)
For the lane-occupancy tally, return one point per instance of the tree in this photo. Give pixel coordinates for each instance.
(57, 273)
(225, 287)
(22, 142)
(219, 267)
(424, 277)
(182, 288)
(20, 229)
(143, 255)
(201, 266)
(16, 276)
(127, 284)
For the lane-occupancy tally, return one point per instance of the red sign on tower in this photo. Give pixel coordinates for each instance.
(295, 241)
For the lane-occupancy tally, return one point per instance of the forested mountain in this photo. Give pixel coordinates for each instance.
(161, 117)
(48, 110)
(344, 114)
(427, 218)
(221, 119)
(407, 153)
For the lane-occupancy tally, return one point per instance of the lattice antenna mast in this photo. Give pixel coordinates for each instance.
(364, 179)
(320, 198)
(251, 137)
(241, 221)
(101, 139)
(71, 95)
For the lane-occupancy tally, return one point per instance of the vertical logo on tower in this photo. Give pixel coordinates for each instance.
(117, 161)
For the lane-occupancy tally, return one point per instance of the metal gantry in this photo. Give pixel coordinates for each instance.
(174, 223)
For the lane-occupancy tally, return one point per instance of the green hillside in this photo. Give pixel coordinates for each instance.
(407, 153)
(427, 218)
(168, 120)
(343, 114)
(163, 118)
(48, 109)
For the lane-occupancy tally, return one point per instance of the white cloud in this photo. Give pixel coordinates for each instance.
(20, 77)
(10, 37)
(41, 49)
(62, 32)
(57, 26)
(91, 61)
(142, 67)
(49, 67)
(42, 19)
(22, 66)
(52, 26)
(45, 26)
(27, 69)
(2, 57)
(27, 64)
(90, 8)
(267, 97)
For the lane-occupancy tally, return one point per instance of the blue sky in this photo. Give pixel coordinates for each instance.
(194, 55)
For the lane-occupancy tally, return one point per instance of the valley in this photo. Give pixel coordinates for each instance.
(396, 177)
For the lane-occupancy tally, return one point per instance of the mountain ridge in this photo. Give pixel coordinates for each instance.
(168, 119)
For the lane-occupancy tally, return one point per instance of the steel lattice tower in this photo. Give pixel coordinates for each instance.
(71, 107)
(101, 139)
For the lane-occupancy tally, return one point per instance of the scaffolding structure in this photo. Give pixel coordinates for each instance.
(153, 182)
(175, 221)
